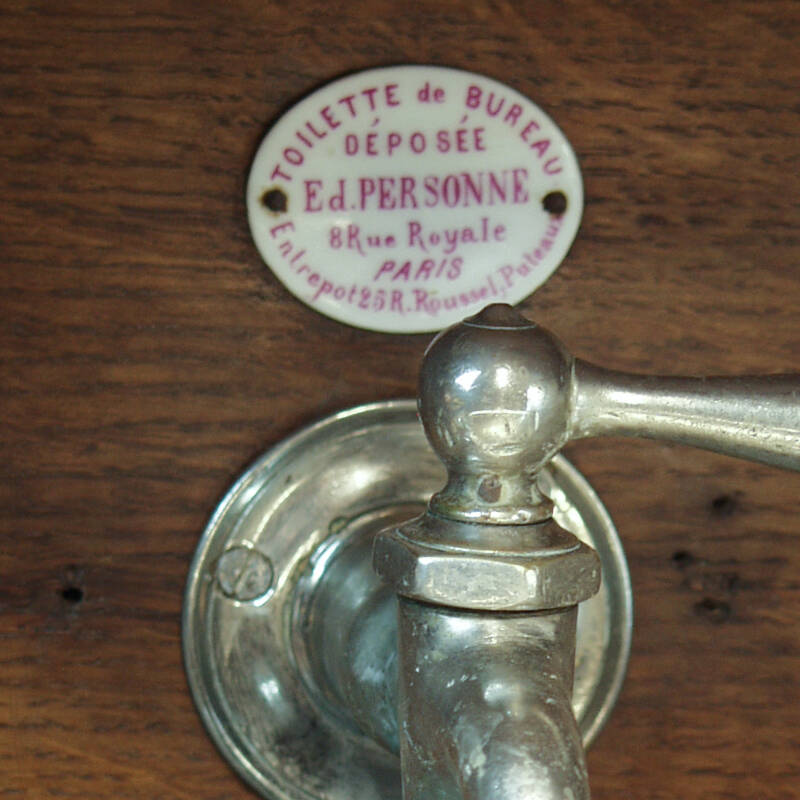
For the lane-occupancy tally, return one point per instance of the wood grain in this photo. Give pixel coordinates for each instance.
(147, 354)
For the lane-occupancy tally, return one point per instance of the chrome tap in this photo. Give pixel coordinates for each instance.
(312, 673)
(488, 584)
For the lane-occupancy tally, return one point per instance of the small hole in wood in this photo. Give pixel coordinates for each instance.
(72, 594)
(715, 611)
(724, 505)
(555, 203)
(682, 559)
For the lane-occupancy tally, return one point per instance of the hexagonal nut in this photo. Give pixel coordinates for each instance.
(484, 581)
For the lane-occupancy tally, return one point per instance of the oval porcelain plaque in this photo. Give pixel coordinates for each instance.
(404, 199)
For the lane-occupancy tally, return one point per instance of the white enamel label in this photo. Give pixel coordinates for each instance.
(404, 199)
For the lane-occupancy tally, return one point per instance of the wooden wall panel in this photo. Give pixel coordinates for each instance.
(146, 354)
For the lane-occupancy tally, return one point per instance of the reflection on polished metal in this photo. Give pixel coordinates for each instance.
(484, 695)
(472, 658)
(499, 396)
(298, 686)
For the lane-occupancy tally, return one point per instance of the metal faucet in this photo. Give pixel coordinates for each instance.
(488, 583)
(311, 672)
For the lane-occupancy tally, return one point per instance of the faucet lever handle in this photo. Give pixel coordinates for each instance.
(499, 396)
(753, 417)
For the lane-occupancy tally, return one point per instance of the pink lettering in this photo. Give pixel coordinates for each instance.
(386, 198)
(325, 288)
(393, 141)
(367, 189)
(315, 132)
(348, 101)
(512, 115)
(327, 115)
(541, 147)
(283, 226)
(386, 267)
(520, 177)
(473, 96)
(498, 105)
(313, 204)
(370, 95)
(552, 167)
(371, 149)
(293, 156)
(531, 126)
(415, 237)
(407, 186)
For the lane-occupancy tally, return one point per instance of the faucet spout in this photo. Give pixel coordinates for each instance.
(485, 705)
(488, 583)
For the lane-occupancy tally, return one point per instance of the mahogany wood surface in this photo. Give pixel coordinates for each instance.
(147, 354)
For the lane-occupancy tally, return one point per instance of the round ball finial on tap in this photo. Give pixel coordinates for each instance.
(494, 398)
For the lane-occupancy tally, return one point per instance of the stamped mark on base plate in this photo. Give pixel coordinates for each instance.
(244, 574)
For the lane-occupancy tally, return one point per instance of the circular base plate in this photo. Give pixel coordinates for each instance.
(372, 460)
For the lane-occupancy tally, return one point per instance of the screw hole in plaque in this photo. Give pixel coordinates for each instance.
(555, 203)
(275, 200)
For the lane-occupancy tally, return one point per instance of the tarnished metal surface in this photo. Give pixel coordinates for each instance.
(485, 705)
(755, 417)
(553, 570)
(499, 397)
(297, 686)
(494, 400)
(294, 653)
